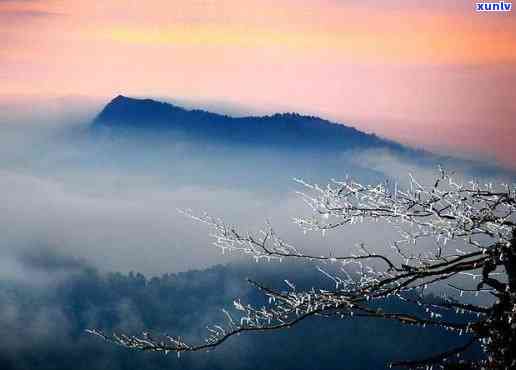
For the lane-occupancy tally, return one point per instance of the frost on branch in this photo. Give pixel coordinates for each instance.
(455, 238)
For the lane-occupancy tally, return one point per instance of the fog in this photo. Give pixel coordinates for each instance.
(114, 201)
(76, 207)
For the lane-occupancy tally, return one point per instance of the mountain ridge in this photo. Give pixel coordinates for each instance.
(293, 129)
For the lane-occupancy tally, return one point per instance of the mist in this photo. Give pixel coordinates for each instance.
(113, 201)
(84, 216)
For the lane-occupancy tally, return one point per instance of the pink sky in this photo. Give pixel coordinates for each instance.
(429, 73)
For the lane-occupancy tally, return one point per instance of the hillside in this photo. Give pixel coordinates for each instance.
(289, 130)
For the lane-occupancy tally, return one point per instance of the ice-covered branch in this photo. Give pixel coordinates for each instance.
(469, 245)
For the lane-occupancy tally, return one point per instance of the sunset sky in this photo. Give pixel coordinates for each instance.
(429, 73)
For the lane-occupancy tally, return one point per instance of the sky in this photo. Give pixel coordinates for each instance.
(433, 74)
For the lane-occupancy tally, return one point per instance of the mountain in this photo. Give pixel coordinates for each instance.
(51, 333)
(288, 130)
(287, 143)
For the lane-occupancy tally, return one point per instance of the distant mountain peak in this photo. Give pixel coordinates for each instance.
(278, 130)
(119, 99)
(123, 99)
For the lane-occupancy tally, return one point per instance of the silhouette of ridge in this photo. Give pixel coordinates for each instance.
(281, 129)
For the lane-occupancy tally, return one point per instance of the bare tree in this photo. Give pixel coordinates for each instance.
(456, 239)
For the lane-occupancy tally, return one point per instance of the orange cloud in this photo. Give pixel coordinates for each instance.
(399, 68)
